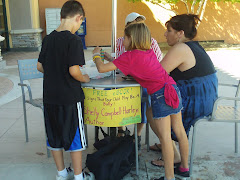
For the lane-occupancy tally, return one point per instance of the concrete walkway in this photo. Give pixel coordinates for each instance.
(214, 155)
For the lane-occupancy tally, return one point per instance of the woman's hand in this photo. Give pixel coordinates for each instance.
(108, 57)
(96, 50)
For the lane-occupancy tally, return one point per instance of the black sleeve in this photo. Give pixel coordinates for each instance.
(76, 53)
(41, 57)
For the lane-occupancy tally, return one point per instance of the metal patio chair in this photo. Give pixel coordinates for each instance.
(221, 113)
(28, 70)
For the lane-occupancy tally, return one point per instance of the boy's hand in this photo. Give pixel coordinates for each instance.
(40, 67)
(96, 50)
(108, 57)
(86, 78)
(76, 73)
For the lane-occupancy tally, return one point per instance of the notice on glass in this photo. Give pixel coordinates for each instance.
(112, 108)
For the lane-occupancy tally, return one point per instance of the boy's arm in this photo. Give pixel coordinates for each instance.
(76, 73)
(40, 67)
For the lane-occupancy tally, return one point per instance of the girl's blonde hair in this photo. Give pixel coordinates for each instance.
(140, 36)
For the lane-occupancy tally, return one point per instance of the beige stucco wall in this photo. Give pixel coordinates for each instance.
(221, 20)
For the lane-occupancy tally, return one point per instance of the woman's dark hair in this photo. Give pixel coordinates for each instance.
(72, 8)
(185, 22)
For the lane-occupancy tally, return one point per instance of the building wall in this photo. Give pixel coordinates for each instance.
(23, 24)
(221, 20)
(20, 14)
(35, 14)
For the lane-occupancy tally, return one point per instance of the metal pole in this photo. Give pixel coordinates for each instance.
(236, 124)
(114, 27)
(136, 148)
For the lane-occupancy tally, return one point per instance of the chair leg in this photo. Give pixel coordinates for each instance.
(136, 149)
(193, 142)
(96, 133)
(147, 136)
(192, 149)
(236, 137)
(25, 114)
(147, 129)
(113, 131)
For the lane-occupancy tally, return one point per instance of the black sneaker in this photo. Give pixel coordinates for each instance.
(182, 175)
(161, 178)
(88, 176)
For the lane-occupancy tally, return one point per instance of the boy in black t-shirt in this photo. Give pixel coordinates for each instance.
(59, 60)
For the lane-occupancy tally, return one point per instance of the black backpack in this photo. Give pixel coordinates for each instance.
(114, 159)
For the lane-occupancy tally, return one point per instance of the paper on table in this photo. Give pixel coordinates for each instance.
(91, 69)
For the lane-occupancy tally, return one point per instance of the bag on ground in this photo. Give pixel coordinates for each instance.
(113, 160)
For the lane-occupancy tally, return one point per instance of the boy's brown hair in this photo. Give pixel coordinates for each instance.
(72, 8)
(140, 36)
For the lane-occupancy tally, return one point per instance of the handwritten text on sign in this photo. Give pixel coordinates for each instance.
(112, 108)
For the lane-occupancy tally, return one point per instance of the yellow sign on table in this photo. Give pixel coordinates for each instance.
(112, 108)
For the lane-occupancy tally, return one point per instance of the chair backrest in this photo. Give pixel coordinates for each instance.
(28, 69)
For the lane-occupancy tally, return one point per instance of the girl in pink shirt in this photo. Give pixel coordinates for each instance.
(142, 64)
(120, 49)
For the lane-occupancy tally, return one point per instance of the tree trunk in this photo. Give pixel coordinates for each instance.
(202, 12)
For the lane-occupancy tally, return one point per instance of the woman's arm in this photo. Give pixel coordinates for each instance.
(174, 57)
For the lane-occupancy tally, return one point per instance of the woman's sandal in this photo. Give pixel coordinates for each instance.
(162, 165)
(155, 147)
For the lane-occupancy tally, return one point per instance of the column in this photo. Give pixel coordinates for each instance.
(25, 29)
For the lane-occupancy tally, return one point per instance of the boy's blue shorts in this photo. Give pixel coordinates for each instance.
(75, 146)
(65, 127)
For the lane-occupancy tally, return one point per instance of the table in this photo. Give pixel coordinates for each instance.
(115, 81)
(111, 82)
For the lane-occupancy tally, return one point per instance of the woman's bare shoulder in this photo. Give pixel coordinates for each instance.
(180, 47)
(176, 56)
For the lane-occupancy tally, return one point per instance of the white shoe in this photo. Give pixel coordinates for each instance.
(70, 175)
(1, 38)
(88, 176)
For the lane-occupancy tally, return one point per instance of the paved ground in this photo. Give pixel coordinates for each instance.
(215, 158)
